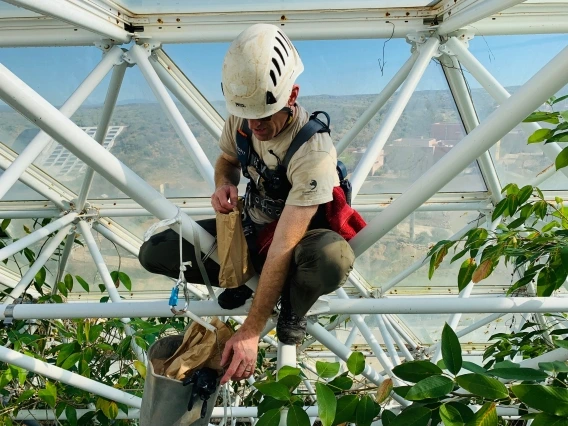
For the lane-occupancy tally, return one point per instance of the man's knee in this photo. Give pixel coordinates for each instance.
(155, 252)
(325, 256)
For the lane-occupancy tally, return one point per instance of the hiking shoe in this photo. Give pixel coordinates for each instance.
(290, 328)
(232, 298)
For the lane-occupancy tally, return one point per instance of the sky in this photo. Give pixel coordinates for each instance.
(332, 67)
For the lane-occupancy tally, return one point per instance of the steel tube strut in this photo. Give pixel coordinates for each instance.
(35, 236)
(39, 142)
(534, 93)
(391, 118)
(200, 160)
(43, 257)
(72, 13)
(56, 373)
(392, 305)
(475, 13)
(380, 101)
(186, 98)
(102, 128)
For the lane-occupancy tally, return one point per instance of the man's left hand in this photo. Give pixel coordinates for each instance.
(241, 350)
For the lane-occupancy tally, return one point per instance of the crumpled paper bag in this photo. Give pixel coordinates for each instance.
(200, 348)
(234, 257)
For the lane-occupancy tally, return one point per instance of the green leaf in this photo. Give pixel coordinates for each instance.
(482, 271)
(68, 280)
(543, 419)
(327, 370)
(270, 418)
(82, 283)
(65, 351)
(430, 387)
(5, 224)
(384, 390)
(466, 273)
(356, 363)
(564, 256)
(291, 382)
(141, 368)
(71, 361)
(486, 416)
(560, 99)
(414, 371)
(274, 389)
(558, 137)
(346, 406)
(524, 374)
(562, 159)
(412, 416)
(268, 403)
(484, 386)
(451, 350)
(546, 282)
(499, 209)
(24, 396)
(455, 414)
(62, 289)
(549, 399)
(71, 414)
(49, 394)
(555, 366)
(468, 365)
(40, 276)
(327, 404)
(94, 332)
(297, 417)
(341, 383)
(287, 370)
(387, 417)
(59, 409)
(125, 279)
(366, 411)
(540, 135)
(549, 117)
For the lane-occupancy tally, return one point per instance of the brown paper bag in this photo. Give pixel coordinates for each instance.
(200, 348)
(234, 257)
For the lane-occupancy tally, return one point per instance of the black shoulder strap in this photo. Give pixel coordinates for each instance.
(243, 147)
(313, 126)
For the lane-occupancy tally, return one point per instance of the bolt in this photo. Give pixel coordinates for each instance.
(160, 21)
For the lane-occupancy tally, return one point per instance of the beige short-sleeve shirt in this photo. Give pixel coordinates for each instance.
(311, 170)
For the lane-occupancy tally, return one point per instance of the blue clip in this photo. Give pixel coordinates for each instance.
(174, 296)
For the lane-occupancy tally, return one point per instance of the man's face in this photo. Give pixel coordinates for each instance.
(267, 128)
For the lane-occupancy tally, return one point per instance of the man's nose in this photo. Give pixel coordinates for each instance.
(252, 123)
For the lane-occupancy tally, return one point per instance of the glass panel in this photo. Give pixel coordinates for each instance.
(409, 242)
(21, 192)
(505, 59)
(201, 6)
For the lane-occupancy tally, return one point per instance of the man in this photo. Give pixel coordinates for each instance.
(305, 258)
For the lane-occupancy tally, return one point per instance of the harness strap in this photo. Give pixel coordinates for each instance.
(313, 126)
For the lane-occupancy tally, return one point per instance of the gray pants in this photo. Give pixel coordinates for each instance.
(321, 263)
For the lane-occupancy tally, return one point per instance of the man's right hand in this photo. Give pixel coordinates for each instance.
(224, 199)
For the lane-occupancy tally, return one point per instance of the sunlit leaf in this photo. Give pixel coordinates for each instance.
(327, 404)
(356, 363)
(384, 390)
(297, 417)
(414, 371)
(451, 350)
(327, 370)
(484, 386)
(549, 399)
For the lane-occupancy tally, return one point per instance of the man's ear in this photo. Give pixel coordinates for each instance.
(294, 95)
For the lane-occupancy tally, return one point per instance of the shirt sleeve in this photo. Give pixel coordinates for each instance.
(228, 142)
(313, 176)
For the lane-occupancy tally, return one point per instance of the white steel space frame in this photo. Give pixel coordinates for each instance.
(439, 31)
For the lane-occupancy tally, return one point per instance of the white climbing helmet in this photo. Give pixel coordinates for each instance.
(259, 71)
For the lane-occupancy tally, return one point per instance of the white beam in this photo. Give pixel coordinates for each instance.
(74, 14)
(474, 13)
(391, 305)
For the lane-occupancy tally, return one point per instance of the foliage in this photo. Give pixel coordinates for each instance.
(337, 402)
(558, 133)
(441, 394)
(532, 237)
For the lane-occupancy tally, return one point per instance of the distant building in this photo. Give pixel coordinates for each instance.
(447, 131)
(59, 162)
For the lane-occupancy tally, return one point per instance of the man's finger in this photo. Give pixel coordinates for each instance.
(233, 195)
(231, 370)
(226, 353)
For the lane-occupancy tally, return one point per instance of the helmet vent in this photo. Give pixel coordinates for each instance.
(286, 39)
(275, 62)
(279, 54)
(282, 44)
(273, 77)
(270, 99)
